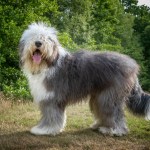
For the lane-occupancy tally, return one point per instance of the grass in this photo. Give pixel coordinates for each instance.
(17, 118)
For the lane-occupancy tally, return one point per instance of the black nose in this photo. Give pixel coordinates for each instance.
(38, 43)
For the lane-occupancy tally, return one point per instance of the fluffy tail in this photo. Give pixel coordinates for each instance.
(139, 101)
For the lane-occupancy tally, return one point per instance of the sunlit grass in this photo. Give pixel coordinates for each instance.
(17, 118)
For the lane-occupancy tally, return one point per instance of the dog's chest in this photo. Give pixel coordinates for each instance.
(38, 89)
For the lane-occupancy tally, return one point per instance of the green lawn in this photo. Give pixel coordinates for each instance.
(17, 118)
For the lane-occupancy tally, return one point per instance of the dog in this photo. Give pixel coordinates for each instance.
(58, 78)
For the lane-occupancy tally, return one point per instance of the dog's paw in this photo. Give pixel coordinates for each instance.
(36, 130)
(147, 117)
(95, 125)
(113, 132)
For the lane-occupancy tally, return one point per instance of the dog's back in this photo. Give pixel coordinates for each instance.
(100, 70)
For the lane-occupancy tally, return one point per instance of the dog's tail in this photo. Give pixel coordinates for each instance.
(139, 101)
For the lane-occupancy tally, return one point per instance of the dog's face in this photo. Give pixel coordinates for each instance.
(38, 47)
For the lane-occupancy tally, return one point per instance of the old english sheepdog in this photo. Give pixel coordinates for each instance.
(58, 78)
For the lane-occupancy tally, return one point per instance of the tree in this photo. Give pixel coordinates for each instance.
(15, 16)
(141, 31)
(74, 18)
(129, 5)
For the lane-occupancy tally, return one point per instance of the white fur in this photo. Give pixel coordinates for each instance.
(38, 90)
(62, 53)
(48, 37)
(105, 130)
(147, 117)
(118, 132)
(95, 125)
(45, 130)
(50, 72)
(110, 131)
(50, 130)
(40, 30)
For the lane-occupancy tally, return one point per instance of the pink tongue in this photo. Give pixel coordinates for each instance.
(36, 58)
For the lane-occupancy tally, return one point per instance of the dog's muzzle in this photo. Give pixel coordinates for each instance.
(37, 55)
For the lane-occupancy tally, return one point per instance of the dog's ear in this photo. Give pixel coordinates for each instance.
(55, 54)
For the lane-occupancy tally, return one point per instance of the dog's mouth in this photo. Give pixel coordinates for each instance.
(37, 56)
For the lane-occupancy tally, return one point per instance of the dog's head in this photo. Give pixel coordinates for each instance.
(38, 47)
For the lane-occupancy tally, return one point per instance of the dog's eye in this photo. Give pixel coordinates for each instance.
(50, 39)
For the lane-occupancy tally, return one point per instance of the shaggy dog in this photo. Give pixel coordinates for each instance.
(58, 78)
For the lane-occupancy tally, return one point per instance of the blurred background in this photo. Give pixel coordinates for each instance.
(114, 25)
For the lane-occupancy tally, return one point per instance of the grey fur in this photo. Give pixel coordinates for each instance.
(52, 116)
(139, 101)
(109, 78)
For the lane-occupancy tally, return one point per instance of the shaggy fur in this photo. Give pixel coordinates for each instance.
(58, 78)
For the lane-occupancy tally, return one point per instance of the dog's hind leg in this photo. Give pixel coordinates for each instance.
(110, 109)
(53, 119)
(93, 103)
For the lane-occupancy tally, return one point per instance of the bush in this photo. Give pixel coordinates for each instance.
(19, 88)
(66, 41)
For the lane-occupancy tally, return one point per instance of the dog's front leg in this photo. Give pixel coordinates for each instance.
(53, 119)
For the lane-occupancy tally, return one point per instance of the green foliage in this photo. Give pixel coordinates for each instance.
(67, 41)
(74, 18)
(142, 30)
(18, 89)
(15, 16)
(110, 47)
(105, 20)
(124, 30)
(145, 38)
(115, 25)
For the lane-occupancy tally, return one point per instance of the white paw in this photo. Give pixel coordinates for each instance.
(119, 132)
(44, 131)
(95, 125)
(147, 117)
(105, 130)
(113, 132)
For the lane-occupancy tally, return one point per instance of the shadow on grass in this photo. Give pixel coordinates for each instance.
(82, 139)
(25, 140)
